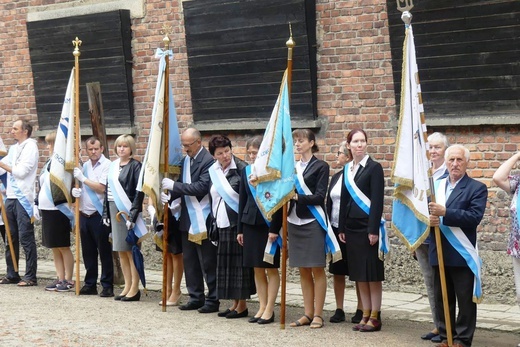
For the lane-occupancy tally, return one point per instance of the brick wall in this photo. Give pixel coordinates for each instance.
(355, 89)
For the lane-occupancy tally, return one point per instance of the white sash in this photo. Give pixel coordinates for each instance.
(223, 187)
(91, 195)
(364, 203)
(461, 243)
(122, 201)
(332, 249)
(197, 211)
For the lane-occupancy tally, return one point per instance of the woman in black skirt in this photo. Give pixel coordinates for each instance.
(234, 281)
(253, 233)
(340, 268)
(363, 179)
(56, 226)
(306, 237)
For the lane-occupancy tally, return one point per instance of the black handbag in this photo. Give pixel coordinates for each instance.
(213, 230)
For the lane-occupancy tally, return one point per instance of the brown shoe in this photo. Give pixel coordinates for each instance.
(361, 324)
(372, 325)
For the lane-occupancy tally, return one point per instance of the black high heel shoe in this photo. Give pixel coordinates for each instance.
(266, 321)
(136, 297)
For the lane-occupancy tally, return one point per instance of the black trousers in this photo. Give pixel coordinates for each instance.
(200, 264)
(94, 242)
(459, 286)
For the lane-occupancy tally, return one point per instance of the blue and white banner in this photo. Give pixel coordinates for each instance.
(410, 215)
(62, 159)
(153, 162)
(274, 165)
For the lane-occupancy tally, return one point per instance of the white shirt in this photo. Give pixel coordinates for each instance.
(100, 175)
(24, 157)
(218, 205)
(335, 197)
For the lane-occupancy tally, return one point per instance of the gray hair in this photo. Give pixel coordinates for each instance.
(439, 137)
(452, 147)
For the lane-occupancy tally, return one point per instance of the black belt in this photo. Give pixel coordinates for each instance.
(90, 215)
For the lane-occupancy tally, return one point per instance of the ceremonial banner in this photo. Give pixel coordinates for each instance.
(62, 160)
(274, 165)
(150, 177)
(410, 215)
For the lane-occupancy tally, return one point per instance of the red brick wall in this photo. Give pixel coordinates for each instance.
(355, 88)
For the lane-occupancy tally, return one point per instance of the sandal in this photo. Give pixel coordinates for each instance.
(26, 283)
(6, 280)
(316, 325)
(297, 323)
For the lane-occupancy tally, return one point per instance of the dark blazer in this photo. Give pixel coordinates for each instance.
(370, 180)
(198, 187)
(316, 177)
(128, 177)
(248, 210)
(464, 209)
(233, 177)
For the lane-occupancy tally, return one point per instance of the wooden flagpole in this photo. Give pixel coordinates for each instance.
(407, 18)
(8, 233)
(290, 45)
(166, 144)
(77, 140)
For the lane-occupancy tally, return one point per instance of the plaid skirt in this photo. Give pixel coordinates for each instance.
(233, 280)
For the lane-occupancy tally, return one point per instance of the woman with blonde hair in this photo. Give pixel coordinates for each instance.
(120, 194)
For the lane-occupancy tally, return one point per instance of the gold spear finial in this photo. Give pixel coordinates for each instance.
(407, 5)
(76, 43)
(290, 43)
(166, 30)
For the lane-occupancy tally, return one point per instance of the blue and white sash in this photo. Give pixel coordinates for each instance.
(223, 187)
(332, 249)
(64, 207)
(198, 211)
(364, 203)
(88, 171)
(19, 190)
(461, 243)
(122, 201)
(518, 204)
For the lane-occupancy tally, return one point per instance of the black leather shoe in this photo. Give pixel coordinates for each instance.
(208, 309)
(224, 313)
(85, 290)
(428, 336)
(190, 306)
(266, 321)
(136, 297)
(339, 316)
(356, 318)
(107, 292)
(436, 339)
(235, 314)
(254, 319)
(118, 297)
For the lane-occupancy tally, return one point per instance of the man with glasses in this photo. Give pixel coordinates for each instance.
(199, 254)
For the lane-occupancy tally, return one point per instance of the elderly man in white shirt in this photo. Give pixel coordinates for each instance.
(21, 164)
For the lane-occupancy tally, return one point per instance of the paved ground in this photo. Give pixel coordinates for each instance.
(31, 316)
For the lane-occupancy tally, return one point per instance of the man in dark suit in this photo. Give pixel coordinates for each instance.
(460, 206)
(199, 254)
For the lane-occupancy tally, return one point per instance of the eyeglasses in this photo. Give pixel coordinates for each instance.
(340, 152)
(189, 144)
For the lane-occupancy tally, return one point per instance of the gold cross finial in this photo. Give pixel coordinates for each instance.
(76, 43)
(290, 43)
(404, 5)
(166, 30)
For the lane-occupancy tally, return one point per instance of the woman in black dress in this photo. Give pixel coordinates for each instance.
(253, 233)
(360, 230)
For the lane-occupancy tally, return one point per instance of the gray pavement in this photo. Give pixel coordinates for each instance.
(396, 305)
